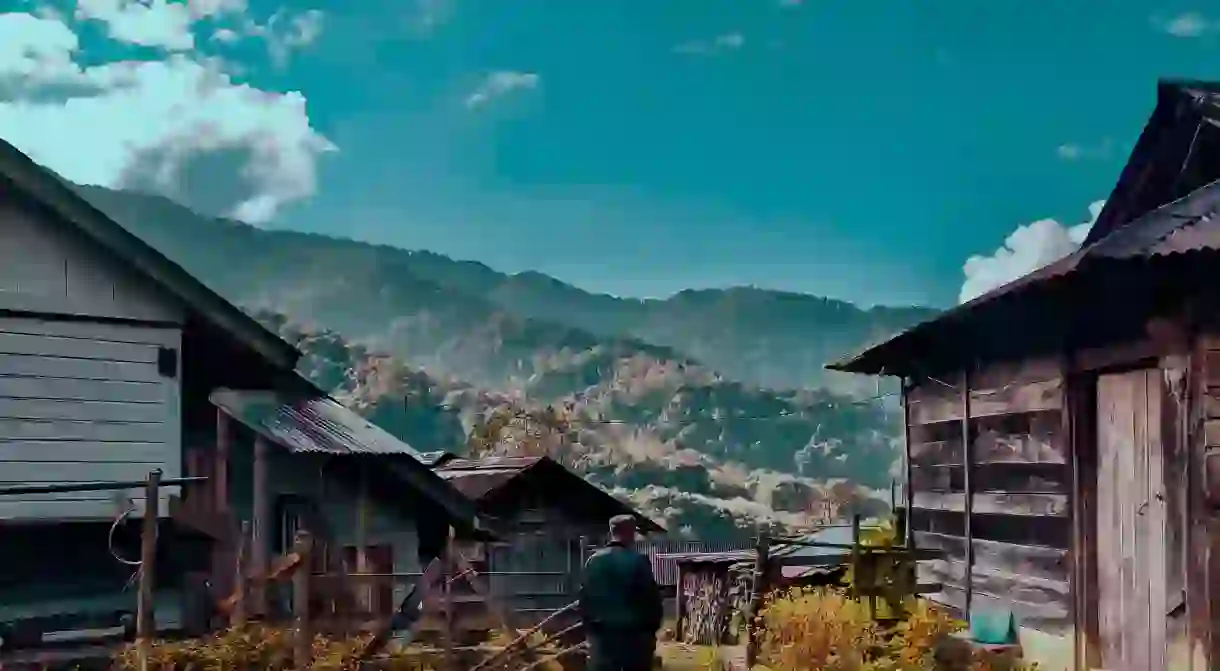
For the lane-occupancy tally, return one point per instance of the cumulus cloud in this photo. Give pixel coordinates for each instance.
(1188, 24)
(719, 44)
(499, 84)
(1025, 250)
(179, 126)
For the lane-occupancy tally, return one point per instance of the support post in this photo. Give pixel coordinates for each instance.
(302, 632)
(241, 580)
(967, 468)
(907, 491)
(146, 622)
(220, 468)
(761, 587)
(261, 542)
(364, 587)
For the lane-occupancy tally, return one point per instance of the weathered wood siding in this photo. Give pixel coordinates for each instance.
(86, 401)
(1133, 529)
(47, 267)
(1005, 546)
(537, 567)
(1203, 530)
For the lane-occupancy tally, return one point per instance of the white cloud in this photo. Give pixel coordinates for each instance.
(721, 43)
(501, 83)
(1076, 151)
(1025, 250)
(147, 23)
(1188, 24)
(179, 126)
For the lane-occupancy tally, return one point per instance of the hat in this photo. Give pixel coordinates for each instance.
(622, 524)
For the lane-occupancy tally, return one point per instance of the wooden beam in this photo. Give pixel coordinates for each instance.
(907, 489)
(302, 634)
(260, 550)
(146, 620)
(968, 468)
(220, 467)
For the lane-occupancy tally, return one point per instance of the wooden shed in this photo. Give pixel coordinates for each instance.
(549, 519)
(1063, 431)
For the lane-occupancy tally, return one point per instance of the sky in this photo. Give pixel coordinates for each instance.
(893, 153)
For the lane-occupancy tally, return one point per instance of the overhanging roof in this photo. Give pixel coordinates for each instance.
(1123, 231)
(306, 420)
(43, 186)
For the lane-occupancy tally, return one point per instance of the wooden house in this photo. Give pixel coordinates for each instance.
(113, 362)
(548, 519)
(1063, 431)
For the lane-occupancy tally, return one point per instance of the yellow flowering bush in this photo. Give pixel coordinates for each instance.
(820, 629)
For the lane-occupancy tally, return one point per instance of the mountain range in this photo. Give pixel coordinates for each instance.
(710, 409)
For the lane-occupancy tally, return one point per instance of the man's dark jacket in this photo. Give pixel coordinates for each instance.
(619, 592)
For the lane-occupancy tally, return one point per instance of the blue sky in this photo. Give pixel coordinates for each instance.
(635, 147)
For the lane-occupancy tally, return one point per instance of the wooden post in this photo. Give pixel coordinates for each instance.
(679, 605)
(146, 622)
(365, 586)
(220, 468)
(907, 491)
(241, 580)
(447, 633)
(853, 589)
(302, 634)
(967, 467)
(261, 543)
(761, 587)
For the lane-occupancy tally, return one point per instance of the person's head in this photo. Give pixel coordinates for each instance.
(622, 529)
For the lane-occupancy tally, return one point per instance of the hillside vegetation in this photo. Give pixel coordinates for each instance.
(710, 409)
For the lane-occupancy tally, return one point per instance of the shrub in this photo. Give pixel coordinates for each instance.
(821, 629)
(260, 647)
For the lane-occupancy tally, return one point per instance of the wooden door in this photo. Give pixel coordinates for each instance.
(1132, 528)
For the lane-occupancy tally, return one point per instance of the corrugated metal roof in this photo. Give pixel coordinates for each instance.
(1188, 225)
(304, 422)
(664, 554)
(1183, 226)
(840, 535)
(478, 478)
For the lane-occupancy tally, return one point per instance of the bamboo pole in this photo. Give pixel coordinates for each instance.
(302, 640)
(261, 538)
(146, 621)
(525, 637)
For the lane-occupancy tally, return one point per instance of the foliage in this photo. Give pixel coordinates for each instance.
(260, 647)
(818, 629)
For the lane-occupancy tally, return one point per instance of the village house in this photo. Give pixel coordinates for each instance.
(548, 519)
(1063, 431)
(115, 362)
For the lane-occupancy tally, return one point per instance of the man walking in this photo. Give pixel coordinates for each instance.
(620, 603)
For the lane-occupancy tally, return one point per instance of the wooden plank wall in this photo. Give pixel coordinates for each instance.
(1015, 546)
(1203, 504)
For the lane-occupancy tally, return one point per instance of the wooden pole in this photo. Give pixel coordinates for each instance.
(146, 622)
(220, 467)
(967, 468)
(241, 579)
(907, 490)
(761, 574)
(447, 601)
(260, 552)
(679, 605)
(302, 639)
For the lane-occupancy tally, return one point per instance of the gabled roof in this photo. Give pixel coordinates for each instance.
(307, 420)
(1155, 210)
(43, 186)
(486, 480)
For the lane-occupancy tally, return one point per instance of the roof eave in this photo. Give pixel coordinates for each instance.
(35, 180)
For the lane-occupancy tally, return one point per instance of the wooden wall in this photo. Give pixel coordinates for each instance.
(1000, 510)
